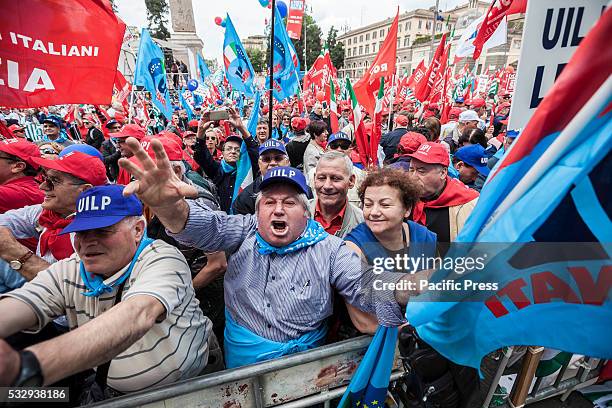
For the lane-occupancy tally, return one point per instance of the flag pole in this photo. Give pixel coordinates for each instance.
(270, 96)
(131, 102)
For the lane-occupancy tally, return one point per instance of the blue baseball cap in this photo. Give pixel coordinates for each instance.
(54, 120)
(512, 134)
(338, 136)
(475, 156)
(83, 148)
(272, 144)
(459, 99)
(101, 207)
(285, 174)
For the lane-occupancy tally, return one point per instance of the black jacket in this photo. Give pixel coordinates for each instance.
(223, 181)
(389, 142)
(95, 137)
(111, 159)
(295, 151)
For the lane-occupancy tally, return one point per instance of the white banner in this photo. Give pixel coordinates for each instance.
(553, 29)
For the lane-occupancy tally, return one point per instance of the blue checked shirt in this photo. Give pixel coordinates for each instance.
(281, 297)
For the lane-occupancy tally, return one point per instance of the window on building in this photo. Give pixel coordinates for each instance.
(428, 25)
(368, 37)
(354, 51)
(349, 42)
(382, 33)
(374, 35)
(361, 38)
(420, 24)
(374, 47)
(399, 28)
(360, 49)
(406, 26)
(380, 44)
(398, 42)
(406, 41)
(410, 25)
(348, 52)
(367, 49)
(439, 27)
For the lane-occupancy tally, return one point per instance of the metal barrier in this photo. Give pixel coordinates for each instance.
(321, 375)
(298, 380)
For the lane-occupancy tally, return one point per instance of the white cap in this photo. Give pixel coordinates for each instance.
(468, 115)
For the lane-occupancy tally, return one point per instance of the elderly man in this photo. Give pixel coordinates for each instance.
(262, 132)
(112, 160)
(128, 300)
(272, 153)
(341, 142)
(446, 203)
(333, 178)
(63, 180)
(468, 119)
(223, 174)
(282, 267)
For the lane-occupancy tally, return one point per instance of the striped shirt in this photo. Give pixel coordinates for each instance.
(23, 224)
(281, 297)
(175, 348)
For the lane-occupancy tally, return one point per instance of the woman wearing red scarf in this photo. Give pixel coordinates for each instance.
(62, 181)
(446, 203)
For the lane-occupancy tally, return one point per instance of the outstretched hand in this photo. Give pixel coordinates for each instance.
(156, 183)
(234, 118)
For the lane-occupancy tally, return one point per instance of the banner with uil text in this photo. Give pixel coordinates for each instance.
(54, 52)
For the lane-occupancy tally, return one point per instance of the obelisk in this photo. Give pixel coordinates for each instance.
(184, 33)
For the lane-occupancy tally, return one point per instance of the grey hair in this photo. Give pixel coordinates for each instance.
(300, 196)
(179, 163)
(335, 155)
(133, 220)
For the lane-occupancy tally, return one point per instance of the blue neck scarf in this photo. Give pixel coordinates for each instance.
(312, 234)
(61, 138)
(227, 168)
(95, 283)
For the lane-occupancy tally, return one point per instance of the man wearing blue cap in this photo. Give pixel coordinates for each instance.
(53, 131)
(272, 153)
(471, 163)
(128, 300)
(282, 265)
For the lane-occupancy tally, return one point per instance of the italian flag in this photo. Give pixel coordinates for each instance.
(360, 135)
(333, 106)
(377, 129)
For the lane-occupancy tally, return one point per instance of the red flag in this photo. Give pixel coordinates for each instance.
(383, 65)
(417, 75)
(121, 90)
(496, 12)
(54, 52)
(320, 72)
(423, 89)
(438, 87)
(517, 7)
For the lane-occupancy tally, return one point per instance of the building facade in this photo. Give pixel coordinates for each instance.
(257, 42)
(414, 40)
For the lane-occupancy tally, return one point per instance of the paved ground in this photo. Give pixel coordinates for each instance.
(575, 400)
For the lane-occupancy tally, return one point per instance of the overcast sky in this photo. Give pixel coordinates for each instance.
(249, 17)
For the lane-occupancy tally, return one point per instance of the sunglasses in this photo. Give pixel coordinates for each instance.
(53, 182)
(18, 131)
(341, 145)
(48, 151)
(214, 139)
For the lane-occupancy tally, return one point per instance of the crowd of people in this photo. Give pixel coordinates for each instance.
(145, 234)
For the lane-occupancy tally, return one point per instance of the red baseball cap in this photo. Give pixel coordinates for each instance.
(298, 123)
(173, 150)
(80, 165)
(401, 120)
(130, 130)
(410, 142)
(431, 153)
(172, 136)
(477, 102)
(13, 128)
(454, 113)
(193, 123)
(21, 148)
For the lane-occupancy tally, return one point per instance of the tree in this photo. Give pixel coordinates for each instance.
(157, 16)
(257, 58)
(336, 49)
(313, 41)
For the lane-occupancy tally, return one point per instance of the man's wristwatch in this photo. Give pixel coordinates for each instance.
(17, 264)
(30, 373)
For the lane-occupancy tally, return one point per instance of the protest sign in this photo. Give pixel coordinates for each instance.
(294, 19)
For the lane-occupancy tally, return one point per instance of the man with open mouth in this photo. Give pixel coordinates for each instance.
(282, 265)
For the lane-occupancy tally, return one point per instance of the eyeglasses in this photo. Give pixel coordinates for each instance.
(343, 146)
(231, 149)
(85, 122)
(52, 181)
(214, 139)
(277, 158)
(48, 151)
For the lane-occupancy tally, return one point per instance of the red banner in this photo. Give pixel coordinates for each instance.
(423, 88)
(495, 14)
(417, 75)
(121, 90)
(295, 17)
(55, 52)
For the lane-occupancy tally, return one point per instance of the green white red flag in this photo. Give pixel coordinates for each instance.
(360, 134)
(377, 128)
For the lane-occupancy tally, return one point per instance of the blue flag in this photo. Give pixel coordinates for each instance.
(203, 70)
(286, 64)
(252, 125)
(550, 197)
(369, 384)
(150, 72)
(185, 104)
(238, 68)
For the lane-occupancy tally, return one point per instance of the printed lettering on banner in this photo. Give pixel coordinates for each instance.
(552, 32)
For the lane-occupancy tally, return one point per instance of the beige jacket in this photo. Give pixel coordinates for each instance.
(457, 216)
(353, 216)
